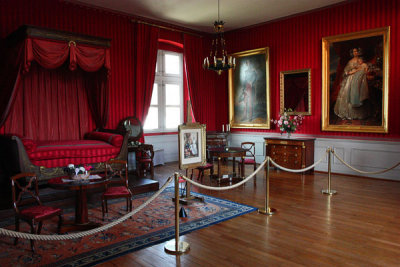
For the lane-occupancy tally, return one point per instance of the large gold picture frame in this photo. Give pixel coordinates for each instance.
(355, 81)
(295, 92)
(192, 145)
(249, 93)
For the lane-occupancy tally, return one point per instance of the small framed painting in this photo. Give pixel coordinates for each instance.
(192, 145)
(295, 92)
(355, 81)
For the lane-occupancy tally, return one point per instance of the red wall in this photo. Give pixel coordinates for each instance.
(295, 43)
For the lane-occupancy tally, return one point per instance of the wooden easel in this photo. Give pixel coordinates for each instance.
(188, 196)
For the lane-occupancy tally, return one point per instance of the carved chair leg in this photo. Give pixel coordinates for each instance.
(39, 228)
(102, 207)
(16, 229)
(60, 222)
(33, 231)
(127, 204)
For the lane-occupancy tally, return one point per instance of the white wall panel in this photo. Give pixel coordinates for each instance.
(365, 155)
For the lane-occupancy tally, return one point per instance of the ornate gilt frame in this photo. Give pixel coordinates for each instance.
(282, 91)
(237, 124)
(326, 93)
(189, 163)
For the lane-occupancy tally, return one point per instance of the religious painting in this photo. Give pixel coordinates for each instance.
(295, 92)
(192, 145)
(249, 101)
(355, 81)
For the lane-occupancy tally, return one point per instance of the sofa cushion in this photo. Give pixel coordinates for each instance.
(112, 138)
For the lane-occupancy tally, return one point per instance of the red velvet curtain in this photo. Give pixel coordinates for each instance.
(193, 56)
(145, 64)
(42, 109)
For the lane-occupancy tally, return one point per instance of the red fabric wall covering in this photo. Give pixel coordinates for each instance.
(295, 43)
(71, 17)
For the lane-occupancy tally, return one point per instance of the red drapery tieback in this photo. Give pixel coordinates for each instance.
(51, 54)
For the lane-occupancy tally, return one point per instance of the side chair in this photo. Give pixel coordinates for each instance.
(201, 169)
(250, 158)
(117, 187)
(28, 207)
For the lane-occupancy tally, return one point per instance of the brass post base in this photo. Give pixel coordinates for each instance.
(170, 247)
(269, 211)
(329, 192)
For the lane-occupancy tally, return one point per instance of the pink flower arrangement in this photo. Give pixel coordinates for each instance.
(288, 124)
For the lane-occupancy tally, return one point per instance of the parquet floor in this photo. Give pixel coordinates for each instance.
(360, 226)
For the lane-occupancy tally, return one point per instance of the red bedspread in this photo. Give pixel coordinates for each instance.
(61, 153)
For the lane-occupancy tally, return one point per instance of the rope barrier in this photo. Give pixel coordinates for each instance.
(226, 187)
(89, 232)
(298, 170)
(363, 172)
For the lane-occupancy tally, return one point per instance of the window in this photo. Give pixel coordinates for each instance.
(166, 112)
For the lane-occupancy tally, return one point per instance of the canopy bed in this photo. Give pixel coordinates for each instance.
(54, 93)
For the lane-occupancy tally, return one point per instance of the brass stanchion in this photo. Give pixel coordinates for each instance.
(329, 191)
(175, 246)
(267, 210)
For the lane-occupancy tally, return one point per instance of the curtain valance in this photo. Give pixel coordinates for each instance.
(52, 54)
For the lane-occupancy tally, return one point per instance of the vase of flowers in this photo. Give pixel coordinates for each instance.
(78, 172)
(288, 124)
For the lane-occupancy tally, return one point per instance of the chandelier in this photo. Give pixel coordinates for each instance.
(218, 60)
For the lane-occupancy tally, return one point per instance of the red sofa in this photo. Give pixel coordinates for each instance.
(48, 158)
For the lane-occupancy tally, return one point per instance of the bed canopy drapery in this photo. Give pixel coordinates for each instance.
(51, 81)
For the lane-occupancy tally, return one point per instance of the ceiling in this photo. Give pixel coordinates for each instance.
(201, 14)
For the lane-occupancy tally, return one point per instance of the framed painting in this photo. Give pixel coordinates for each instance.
(295, 92)
(249, 101)
(355, 81)
(192, 145)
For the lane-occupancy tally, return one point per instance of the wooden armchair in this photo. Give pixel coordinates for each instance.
(34, 215)
(117, 187)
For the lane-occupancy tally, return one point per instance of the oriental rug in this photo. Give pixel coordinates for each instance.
(152, 225)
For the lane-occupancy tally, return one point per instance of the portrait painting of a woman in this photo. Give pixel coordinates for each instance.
(355, 87)
(351, 103)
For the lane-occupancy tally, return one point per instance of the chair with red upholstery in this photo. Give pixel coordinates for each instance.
(28, 207)
(250, 158)
(201, 169)
(117, 187)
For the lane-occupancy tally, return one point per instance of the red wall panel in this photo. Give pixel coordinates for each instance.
(295, 43)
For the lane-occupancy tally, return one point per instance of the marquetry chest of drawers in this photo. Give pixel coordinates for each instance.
(295, 153)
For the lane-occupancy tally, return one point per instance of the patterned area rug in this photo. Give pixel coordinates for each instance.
(153, 225)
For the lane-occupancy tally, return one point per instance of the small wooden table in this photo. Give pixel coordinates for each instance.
(81, 209)
(226, 152)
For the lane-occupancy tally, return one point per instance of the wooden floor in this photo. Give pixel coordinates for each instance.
(360, 226)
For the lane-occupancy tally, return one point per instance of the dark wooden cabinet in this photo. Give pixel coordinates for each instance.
(296, 153)
(215, 139)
